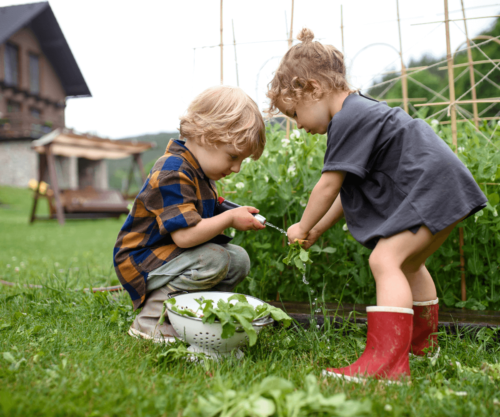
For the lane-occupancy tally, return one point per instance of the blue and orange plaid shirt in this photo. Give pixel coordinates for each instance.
(176, 194)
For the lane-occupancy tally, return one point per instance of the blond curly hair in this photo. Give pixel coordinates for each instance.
(303, 63)
(225, 115)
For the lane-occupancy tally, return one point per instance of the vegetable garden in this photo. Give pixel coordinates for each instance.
(279, 185)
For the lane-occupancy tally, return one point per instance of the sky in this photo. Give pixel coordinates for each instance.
(145, 61)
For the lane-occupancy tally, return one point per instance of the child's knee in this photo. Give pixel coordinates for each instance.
(214, 264)
(381, 262)
(240, 260)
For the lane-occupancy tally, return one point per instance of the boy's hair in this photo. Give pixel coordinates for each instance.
(225, 115)
(303, 63)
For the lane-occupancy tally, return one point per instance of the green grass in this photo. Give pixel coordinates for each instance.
(66, 353)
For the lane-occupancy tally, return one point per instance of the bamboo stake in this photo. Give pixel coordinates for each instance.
(290, 41)
(452, 103)
(467, 120)
(235, 56)
(342, 28)
(462, 264)
(455, 20)
(221, 48)
(473, 63)
(451, 82)
(404, 79)
(471, 70)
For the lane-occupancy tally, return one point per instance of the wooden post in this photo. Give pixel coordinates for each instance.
(221, 48)
(138, 161)
(235, 56)
(290, 42)
(404, 79)
(471, 71)
(130, 177)
(342, 28)
(51, 165)
(42, 166)
(453, 115)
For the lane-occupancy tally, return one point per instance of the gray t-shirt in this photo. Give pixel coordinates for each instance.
(399, 173)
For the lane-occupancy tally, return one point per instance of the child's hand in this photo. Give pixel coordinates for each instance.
(243, 220)
(312, 237)
(295, 232)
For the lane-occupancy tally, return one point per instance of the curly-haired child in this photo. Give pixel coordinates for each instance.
(400, 187)
(172, 239)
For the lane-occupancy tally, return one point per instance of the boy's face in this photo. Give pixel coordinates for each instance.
(219, 162)
(312, 116)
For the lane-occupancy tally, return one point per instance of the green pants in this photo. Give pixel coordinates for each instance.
(208, 266)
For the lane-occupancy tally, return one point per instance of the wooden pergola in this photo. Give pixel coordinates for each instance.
(88, 202)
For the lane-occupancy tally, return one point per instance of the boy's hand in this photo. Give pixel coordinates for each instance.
(296, 232)
(243, 220)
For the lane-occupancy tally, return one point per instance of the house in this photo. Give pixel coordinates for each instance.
(38, 73)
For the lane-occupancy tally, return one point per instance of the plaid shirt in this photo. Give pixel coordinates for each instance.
(176, 194)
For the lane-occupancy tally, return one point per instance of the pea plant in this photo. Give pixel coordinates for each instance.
(279, 185)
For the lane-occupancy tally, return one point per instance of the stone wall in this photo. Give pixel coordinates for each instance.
(18, 163)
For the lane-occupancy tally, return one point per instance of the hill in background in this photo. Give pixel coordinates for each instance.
(118, 169)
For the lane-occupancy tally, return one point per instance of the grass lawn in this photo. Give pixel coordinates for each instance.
(67, 353)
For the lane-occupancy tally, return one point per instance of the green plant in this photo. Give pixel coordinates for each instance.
(298, 257)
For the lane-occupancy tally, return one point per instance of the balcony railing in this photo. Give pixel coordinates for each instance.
(19, 125)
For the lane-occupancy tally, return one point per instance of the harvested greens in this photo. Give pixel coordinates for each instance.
(231, 316)
(298, 257)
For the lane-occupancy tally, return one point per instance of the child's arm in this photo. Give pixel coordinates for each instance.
(331, 217)
(320, 203)
(240, 218)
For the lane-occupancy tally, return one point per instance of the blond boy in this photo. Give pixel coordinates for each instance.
(172, 239)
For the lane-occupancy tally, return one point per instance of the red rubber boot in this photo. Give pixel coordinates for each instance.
(425, 322)
(387, 347)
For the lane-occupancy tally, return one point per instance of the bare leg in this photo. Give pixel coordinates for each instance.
(398, 265)
(419, 278)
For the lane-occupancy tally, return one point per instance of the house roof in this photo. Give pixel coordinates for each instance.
(41, 20)
(67, 143)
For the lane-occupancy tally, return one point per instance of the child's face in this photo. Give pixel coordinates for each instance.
(219, 162)
(312, 116)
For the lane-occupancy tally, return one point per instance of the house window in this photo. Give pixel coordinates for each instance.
(35, 113)
(13, 106)
(34, 74)
(11, 65)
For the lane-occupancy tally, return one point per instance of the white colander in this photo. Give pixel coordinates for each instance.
(205, 337)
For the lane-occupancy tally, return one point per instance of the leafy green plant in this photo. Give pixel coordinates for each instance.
(298, 257)
(231, 316)
(276, 396)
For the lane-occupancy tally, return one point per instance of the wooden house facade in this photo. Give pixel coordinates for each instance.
(38, 73)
